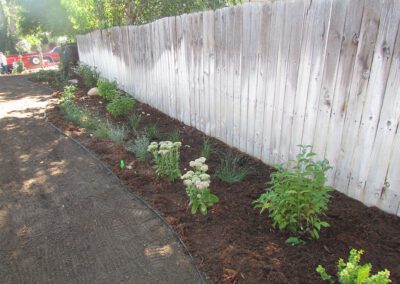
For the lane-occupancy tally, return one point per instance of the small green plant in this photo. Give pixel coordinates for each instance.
(134, 121)
(354, 273)
(101, 131)
(122, 164)
(108, 90)
(120, 105)
(166, 155)
(139, 147)
(87, 120)
(152, 132)
(174, 136)
(71, 112)
(117, 133)
(68, 94)
(207, 148)
(197, 184)
(231, 169)
(88, 75)
(297, 197)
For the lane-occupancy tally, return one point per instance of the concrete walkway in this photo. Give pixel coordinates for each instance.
(63, 218)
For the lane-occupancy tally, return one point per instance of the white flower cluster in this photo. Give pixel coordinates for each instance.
(199, 164)
(163, 147)
(198, 178)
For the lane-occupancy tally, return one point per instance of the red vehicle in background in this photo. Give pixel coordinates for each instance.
(32, 60)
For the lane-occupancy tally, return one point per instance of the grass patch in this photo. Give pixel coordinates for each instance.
(152, 132)
(232, 169)
(207, 149)
(134, 121)
(174, 136)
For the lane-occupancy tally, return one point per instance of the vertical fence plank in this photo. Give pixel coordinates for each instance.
(261, 97)
(294, 30)
(354, 104)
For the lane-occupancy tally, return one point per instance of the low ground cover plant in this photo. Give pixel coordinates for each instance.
(89, 75)
(166, 155)
(197, 184)
(139, 147)
(108, 90)
(231, 169)
(120, 105)
(296, 197)
(352, 272)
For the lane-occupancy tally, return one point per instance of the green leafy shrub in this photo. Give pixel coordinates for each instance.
(120, 105)
(297, 196)
(166, 156)
(174, 136)
(152, 132)
(117, 133)
(139, 147)
(134, 121)
(108, 90)
(207, 148)
(88, 75)
(230, 170)
(197, 184)
(354, 273)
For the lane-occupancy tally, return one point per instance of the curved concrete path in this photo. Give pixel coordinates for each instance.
(63, 218)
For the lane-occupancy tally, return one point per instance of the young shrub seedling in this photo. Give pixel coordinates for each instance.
(297, 197)
(139, 147)
(166, 155)
(152, 132)
(197, 184)
(351, 272)
(101, 131)
(134, 121)
(68, 95)
(120, 105)
(207, 148)
(108, 90)
(230, 170)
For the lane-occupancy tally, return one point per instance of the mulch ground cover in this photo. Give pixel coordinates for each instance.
(233, 243)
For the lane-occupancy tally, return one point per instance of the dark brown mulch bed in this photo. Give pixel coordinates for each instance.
(234, 243)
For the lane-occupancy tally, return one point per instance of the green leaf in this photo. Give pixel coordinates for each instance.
(294, 241)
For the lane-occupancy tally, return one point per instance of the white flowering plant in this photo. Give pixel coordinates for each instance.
(197, 184)
(166, 155)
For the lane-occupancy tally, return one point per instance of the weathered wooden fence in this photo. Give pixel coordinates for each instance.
(265, 78)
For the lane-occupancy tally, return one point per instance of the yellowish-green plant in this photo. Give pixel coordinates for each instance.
(197, 183)
(166, 155)
(352, 272)
(134, 121)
